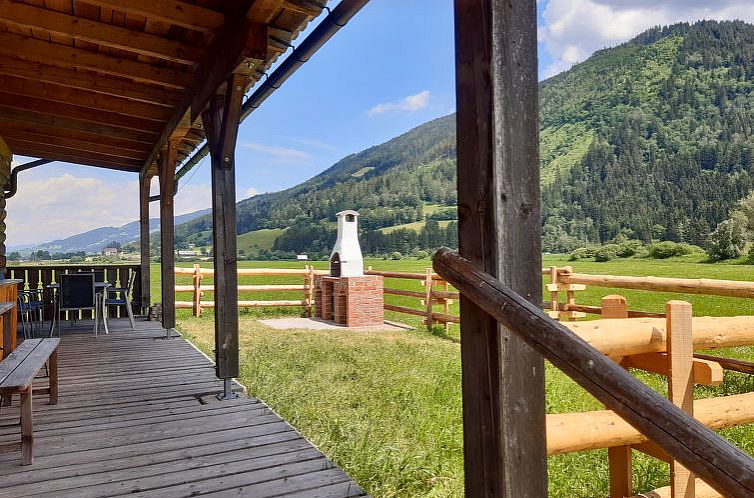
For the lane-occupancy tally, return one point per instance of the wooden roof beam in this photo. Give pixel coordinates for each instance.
(65, 155)
(182, 14)
(47, 52)
(91, 82)
(64, 123)
(55, 93)
(76, 145)
(308, 7)
(15, 126)
(79, 28)
(86, 114)
(240, 44)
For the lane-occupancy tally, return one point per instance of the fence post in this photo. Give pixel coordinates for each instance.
(680, 383)
(309, 289)
(618, 457)
(554, 288)
(428, 299)
(197, 290)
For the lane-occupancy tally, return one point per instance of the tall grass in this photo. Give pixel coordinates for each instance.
(387, 406)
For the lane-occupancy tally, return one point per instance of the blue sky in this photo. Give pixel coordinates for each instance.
(390, 69)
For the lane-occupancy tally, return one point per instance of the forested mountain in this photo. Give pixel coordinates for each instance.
(652, 139)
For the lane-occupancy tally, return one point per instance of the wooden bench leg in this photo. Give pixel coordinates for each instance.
(27, 433)
(54, 378)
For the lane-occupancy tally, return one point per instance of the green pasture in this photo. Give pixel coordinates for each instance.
(387, 406)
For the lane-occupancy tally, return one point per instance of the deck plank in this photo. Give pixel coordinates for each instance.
(136, 417)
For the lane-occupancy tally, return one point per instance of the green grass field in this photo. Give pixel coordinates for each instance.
(387, 406)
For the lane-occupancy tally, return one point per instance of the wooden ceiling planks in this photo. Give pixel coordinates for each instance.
(88, 79)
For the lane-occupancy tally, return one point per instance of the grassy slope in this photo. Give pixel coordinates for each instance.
(415, 226)
(252, 242)
(387, 407)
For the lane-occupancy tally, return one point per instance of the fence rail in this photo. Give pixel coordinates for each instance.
(669, 425)
(197, 304)
(428, 298)
(37, 277)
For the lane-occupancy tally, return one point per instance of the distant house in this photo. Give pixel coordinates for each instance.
(187, 254)
(302, 257)
(110, 251)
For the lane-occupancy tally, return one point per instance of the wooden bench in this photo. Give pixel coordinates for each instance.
(17, 372)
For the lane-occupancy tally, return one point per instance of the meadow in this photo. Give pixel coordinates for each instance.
(387, 406)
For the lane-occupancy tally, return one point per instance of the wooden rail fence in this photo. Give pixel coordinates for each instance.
(596, 355)
(436, 292)
(197, 288)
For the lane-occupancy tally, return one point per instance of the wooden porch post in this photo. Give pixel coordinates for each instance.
(5, 159)
(168, 158)
(221, 126)
(499, 232)
(144, 187)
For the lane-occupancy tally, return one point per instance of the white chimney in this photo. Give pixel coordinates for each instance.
(346, 259)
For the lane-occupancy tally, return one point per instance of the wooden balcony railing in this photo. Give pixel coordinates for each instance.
(39, 276)
(684, 439)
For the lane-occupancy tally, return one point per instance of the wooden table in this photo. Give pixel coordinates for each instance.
(99, 288)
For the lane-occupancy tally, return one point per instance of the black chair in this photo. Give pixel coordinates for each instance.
(76, 293)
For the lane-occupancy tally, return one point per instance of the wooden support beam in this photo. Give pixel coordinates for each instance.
(499, 217)
(88, 81)
(62, 55)
(307, 7)
(183, 14)
(221, 125)
(614, 306)
(145, 183)
(52, 93)
(79, 28)
(238, 41)
(680, 383)
(742, 366)
(706, 372)
(167, 233)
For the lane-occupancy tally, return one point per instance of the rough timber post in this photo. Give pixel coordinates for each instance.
(5, 159)
(168, 158)
(221, 126)
(499, 218)
(144, 188)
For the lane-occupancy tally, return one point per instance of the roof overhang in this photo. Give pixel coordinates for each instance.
(108, 83)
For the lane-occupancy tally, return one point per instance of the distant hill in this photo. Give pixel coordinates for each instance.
(653, 139)
(94, 241)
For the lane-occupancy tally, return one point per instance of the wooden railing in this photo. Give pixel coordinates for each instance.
(563, 279)
(197, 289)
(429, 298)
(653, 424)
(39, 276)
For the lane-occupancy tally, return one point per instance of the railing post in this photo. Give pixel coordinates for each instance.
(428, 299)
(309, 282)
(619, 457)
(553, 288)
(680, 383)
(197, 290)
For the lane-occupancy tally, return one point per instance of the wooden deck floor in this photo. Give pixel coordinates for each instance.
(137, 417)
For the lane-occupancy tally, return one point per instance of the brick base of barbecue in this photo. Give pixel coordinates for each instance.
(350, 301)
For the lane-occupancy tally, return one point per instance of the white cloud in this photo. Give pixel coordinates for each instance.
(279, 154)
(407, 104)
(46, 208)
(250, 192)
(574, 29)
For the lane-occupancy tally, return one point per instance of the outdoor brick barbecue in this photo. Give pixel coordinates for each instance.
(347, 296)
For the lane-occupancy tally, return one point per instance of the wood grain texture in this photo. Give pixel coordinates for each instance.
(498, 205)
(725, 467)
(167, 233)
(221, 122)
(129, 422)
(145, 182)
